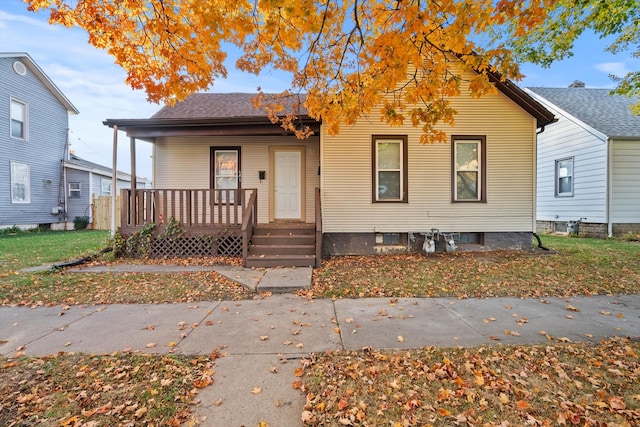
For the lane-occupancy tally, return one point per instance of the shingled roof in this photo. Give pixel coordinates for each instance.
(609, 114)
(235, 112)
(220, 106)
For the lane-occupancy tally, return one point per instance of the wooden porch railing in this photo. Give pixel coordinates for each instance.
(249, 221)
(318, 229)
(197, 208)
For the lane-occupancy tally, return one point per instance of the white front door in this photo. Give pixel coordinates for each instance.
(287, 185)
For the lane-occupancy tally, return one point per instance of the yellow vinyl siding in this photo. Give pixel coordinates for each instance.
(184, 162)
(510, 135)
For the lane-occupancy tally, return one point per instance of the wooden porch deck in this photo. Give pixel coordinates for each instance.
(212, 222)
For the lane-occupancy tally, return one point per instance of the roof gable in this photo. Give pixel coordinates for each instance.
(606, 113)
(46, 81)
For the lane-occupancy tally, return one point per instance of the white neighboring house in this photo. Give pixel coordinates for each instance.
(86, 180)
(588, 162)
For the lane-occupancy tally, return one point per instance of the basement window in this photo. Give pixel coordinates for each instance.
(472, 238)
(390, 239)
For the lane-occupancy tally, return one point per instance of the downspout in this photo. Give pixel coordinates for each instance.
(62, 187)
(64, 199)
(90, 197)
(535, 185)
(609, 188)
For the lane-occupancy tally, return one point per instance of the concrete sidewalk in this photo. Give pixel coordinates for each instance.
(263, 339)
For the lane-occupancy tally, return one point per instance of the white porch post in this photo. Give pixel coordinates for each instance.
(114, 181)
(132, 148)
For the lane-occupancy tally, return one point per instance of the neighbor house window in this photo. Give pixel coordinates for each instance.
(20, 183)
(225, 171)
(18, 119)
(105, 187)
(74, 190)
(564, 177)
(468, 168)
(389, 161)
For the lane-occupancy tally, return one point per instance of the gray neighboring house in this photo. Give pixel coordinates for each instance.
(86, 179)
(34, 122)
(588, 162)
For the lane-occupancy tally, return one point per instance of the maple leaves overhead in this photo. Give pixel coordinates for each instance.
(391, 58)
(349, 57)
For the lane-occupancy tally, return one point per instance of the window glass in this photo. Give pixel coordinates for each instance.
(389, 155)
(467, 170)
(20, 183)
(390, 169)
(226, 172)
(564, 173)
(18, 119)
(74, 190)
(105, 187)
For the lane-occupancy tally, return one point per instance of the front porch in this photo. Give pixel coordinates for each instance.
(216, 222)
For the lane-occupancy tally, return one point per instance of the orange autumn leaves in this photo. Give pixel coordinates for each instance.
(351, 58)
(541, 385)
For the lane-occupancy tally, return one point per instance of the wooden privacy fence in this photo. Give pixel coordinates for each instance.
(101, 212)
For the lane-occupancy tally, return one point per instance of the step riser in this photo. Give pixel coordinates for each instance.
(279, 263)
(283, 231)
(283, 240)
(282, 250)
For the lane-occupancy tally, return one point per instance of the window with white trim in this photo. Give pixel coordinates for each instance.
(468, 159)
(18, 119)
(389, 160)
(564, 177)
(20, 183)
(105, 187)
(74, 190)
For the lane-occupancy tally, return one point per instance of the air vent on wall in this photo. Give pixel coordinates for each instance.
(19, 68)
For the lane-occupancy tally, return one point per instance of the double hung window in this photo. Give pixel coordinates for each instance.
(74, 190)
(468, 171)
(564, 177)
(20, 183)
(390, 179)
(18, 119)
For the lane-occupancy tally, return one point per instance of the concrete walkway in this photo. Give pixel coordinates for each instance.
(263, 339)
(277, 280)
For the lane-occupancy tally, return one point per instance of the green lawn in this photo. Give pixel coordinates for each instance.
(574, 266)
(28, 249)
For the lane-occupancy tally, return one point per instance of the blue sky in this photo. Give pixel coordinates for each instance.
(95, 85)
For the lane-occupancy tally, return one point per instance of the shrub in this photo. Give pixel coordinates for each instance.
(80, 222)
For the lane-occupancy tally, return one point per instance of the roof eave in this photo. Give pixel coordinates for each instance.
(197, 122)
(542, 115)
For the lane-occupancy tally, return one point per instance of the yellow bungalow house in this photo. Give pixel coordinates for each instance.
(222, 170)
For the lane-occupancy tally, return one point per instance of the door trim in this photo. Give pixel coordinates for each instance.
(272, 182)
